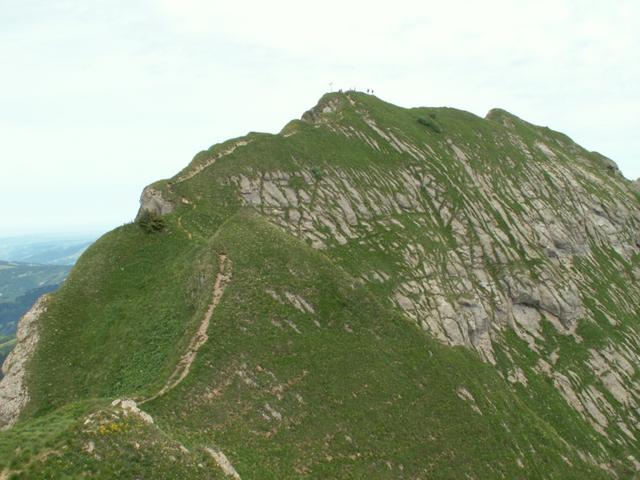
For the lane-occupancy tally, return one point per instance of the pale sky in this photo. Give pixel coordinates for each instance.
(100, 98)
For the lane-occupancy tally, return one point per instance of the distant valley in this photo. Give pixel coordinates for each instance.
(44, 249)
(31, 266)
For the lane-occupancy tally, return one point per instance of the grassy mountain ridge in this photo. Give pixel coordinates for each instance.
(270, 358)
(415, 293)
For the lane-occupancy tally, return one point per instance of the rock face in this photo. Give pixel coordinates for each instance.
(609, 164)
(13, 388)
(512, 245)
(152, 201)
(491, 225)
(490, 234)
(131, 407)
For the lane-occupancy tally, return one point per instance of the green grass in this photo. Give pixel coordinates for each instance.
(125, 310)
(363, 388)
(364, 393)
(62, 444)
(354, 389)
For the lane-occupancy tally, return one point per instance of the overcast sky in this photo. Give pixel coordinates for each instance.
(99, 98)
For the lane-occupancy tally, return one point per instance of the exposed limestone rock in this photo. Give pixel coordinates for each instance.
(609, 164)
(152, 201)
(561, 302)
(223, 462)
(296, 301)
(595, 403)
(516, 375)
(13, 389)
(527, 320)
(505, 251)
(546, 150)
(613, 377)
(465, 395)
(327, 105)
(130, 407)
(340, 206)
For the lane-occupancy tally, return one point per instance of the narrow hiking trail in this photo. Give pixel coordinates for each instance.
(183, 367)
(182, 227)
(201, 336)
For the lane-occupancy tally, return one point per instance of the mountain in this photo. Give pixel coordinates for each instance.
(373, 292)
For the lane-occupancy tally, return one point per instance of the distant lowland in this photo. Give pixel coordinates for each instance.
(31, 266)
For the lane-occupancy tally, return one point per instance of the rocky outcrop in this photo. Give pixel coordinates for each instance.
(609, 164)
(129, 406)
(505, 232)
(13, 389)
(152, 201)
(342, 207)
(636, 185)
(325, 106)
(223, 462)
(494, 235)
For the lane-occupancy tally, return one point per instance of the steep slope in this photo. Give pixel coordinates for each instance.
(410, 293)
(306, 373)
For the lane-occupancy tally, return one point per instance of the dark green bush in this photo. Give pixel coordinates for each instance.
(151, 222)
(431, 123)
(317, 172)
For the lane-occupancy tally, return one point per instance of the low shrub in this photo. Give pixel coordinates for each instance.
(151, 222)
(431, 123)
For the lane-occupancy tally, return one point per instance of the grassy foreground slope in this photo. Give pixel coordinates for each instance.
(340, 388)
(413, 293)
(124, 314)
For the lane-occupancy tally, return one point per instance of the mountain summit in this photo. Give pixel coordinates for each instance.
(373, 292)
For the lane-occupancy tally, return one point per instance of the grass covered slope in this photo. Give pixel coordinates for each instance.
(306, 374)
(123, 315)
(407, 293)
